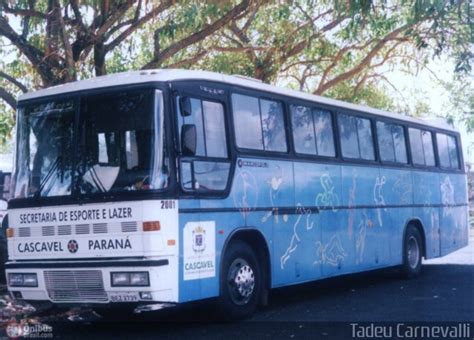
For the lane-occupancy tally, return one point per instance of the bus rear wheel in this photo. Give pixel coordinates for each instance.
(240, 282)
(412, 253)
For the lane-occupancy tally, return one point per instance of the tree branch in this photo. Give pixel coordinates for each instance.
(8, 98)
(22, 12)
(198, 36)
(138, 23)
(34, 55)
(14, 81)
(324, 86)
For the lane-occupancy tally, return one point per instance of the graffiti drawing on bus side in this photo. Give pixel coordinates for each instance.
(305, 215)
(447, 192)
(327, 198)
(275, 183)
(352, 203)
(447, 199)
(361, 234)
(402, 188)
(378, 197)
(245, 199)
(331, 253)
(428, 210)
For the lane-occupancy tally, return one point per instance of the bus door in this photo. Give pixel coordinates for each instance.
(205, 167)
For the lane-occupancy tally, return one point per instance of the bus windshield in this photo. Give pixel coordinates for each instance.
(111, 143)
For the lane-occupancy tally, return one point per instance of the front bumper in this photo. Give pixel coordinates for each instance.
(89, 281)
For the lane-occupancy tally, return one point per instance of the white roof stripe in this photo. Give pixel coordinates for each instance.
(137, 77)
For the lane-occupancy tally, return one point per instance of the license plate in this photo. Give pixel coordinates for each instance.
(123, 297)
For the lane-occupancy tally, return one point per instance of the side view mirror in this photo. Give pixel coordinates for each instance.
(185, 106)
(188, 139)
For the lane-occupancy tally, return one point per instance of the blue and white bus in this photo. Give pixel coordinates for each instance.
(154, 188)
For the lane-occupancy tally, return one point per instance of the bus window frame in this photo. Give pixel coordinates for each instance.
(334, 132)
(457, 140)
(259, 95)
(359, 160)
(423, 166)
(409, 163)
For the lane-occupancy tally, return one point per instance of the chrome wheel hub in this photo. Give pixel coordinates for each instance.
(241, 281)
(413, 252)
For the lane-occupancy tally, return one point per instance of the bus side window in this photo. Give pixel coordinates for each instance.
(356, 137)
(392, 145)
(428, 149)
(312, 131)
(421, 145)
(447, 150)
(416, 146)
(453, 152)
(259, 123)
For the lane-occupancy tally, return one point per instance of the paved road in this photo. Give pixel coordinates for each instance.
(325, 309)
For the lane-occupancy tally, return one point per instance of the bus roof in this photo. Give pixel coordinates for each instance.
(163, 75)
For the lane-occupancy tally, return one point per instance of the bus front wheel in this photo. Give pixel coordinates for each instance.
(412, 252)
(240, 281)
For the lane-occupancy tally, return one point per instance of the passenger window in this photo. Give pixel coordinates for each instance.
(366, 142)
(392, 145)
(443, 153)
(356, 137)
(324, 134)
(312, 131)
(303, 130)
(208, 117)
(259, 123)
(247, 123)
(348, 131)
(453, 152)
(421, 145)
(447, 150)
(273, 126)
(428, 149)
(416, 146)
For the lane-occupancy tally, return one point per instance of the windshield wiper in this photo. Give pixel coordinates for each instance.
(50, 173)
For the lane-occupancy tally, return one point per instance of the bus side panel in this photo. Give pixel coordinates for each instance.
(330, 245)
(426, 193)
(268, 185)
(453, 218)
(361, 223)
(188, 289)
(396, 190)
(295, 236)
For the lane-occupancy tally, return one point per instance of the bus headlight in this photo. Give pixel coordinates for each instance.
(22, 280)
(126, 279)
(139, 279)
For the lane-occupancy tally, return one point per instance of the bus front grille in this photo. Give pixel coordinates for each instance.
(75, 286)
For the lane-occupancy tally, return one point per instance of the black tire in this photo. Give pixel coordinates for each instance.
(412, 253)
(240, 268)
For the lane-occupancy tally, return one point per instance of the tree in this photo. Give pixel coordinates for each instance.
(60, 39)
(340, 49)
